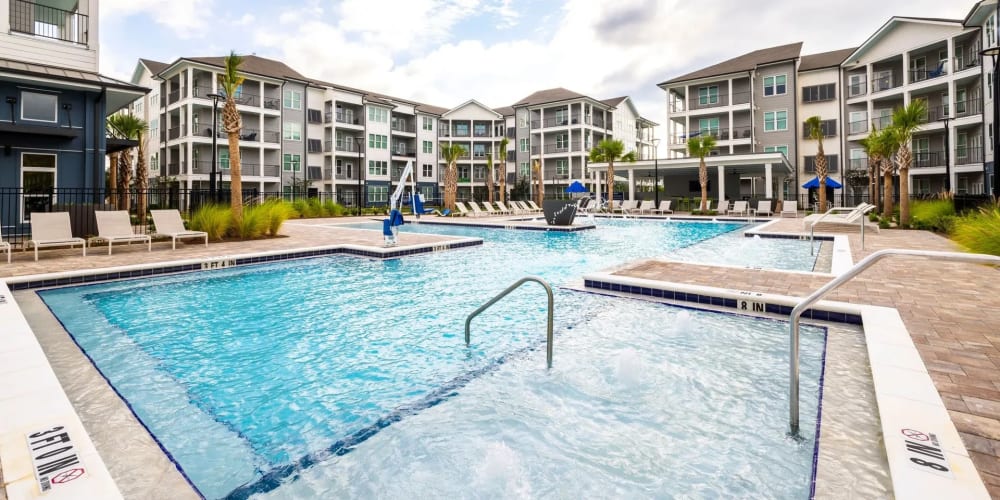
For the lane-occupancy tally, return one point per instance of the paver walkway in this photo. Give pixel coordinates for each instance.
(951, 310)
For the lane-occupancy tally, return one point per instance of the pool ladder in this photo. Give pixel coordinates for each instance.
(793, 361)
(515, 286)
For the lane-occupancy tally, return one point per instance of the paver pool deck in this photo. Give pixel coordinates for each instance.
(951, 310)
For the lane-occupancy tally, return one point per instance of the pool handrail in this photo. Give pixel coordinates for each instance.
(864, 208)
(793, 361)
(511, 288)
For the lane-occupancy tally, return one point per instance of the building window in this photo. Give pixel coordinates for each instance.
(831, 164)
(562, 168)
(479, 150)
(314, 116)
(774, 85)
(463, 173)
(378, 141)
(376, 167)
(708, 95)
(154, 161)
(777, 149)
(828, 128)
(376, 114)
(38, 179)
(292, 131)
(819, 93)
(480, 130)
(290, 162)
(314, 146)
(708, 126)
(562, 116)
(522, 121)
(224, 159)
(378, 194)
(523, 145)
(562, 142)
(428, 147)
(154, 127)
(154, 101)
(775, 120)
(462, 129)
(428, 170)
(340, 167)
(39, 107)
(293, 99)
(524, 170)
(138, 108)
(427, 123)
(990, 31)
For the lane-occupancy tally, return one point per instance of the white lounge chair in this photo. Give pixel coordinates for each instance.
(723, 207)
(764, 207)
(739, 208)
(627, 206)
(168, 223)
(790, 207)
(116, 226)
(534, 207)
(645, 206)
(494, 210)
(52, 229)
(504, 208)
(839, 215)
(476, 210)
(461, 208)
(4, 245)
(664, 208)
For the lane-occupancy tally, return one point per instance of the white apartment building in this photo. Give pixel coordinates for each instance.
(983, 16)
(479, 129)
(818, 90)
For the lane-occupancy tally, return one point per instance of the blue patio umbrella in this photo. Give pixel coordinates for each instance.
(830, 182)
(576, 187)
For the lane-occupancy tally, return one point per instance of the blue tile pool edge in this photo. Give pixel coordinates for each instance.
(219, 262)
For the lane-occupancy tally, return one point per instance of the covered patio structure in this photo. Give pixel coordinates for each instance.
(749, 176)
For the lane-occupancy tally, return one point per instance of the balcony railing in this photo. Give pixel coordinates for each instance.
(272, 103)
(349, 146)
(858, 164)
(410, 153)
(968, 108)
(717, 100)
(272, 136)
(272, 170)
(968, 155)
(176, 132)
(919, 75)
(883, 83)
(857, 87)
(926, 159)
(348, 118)
(969, 60)
(48, 22)
(201, 91)
(175, 95)
(403, 127)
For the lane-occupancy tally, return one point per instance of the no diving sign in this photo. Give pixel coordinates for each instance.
(54, 458)
(924, 452)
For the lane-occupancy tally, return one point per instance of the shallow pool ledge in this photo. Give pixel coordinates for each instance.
(42, 441)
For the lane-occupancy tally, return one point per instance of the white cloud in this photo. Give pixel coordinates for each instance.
(185, 18)
(406, 26)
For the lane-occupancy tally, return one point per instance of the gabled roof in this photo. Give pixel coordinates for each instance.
(979, 12)
(614, 102)
(255, 65)
(119, 94)
(475, 103)
(889, 26)
(505, 111)
(549, 95)
(429, 109)
(822, 60)
(155, 67)
(745, 62)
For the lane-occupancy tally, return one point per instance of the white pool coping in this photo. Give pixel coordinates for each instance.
(906, 395)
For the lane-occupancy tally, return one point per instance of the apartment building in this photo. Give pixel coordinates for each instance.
(53, 124)
(819, 90)
(983, 16)
(935, 60)
(479, 130)
(558, 127)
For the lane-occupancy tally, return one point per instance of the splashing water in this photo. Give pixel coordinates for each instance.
(501, 473)
(629, 370)
(683, 323)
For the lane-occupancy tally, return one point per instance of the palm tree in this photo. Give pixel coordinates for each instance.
(489, 176)
(450, 153)
(870, 146)
(129, 126)
(700, 147)
(230, 81)
(814, 126)
(503, 169)
(880, 145)
(905, 121)
(536, 171)
(609, 151)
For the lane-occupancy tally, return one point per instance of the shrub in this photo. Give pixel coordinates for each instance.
(979, 231)
(275, 213)
(883, 223)
(301, 208)
(212, 219)
(873, 216)
(254, 223)
(932, 215)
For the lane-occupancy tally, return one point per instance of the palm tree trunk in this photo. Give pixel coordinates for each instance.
(611, 183)
(113, 180)
(821, 172)
(540, 189)
(124, 180)
(235, 179)
(141, 182)
(450, 185)
(503, 183)
(904, 184)
(886, 192)
(703, 180)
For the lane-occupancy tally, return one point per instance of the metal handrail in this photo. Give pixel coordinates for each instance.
(793, 390)
(861, 222)
(494, 300)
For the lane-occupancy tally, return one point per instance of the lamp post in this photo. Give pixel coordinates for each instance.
(215, 145)
(358, 142)
(947, 154)
(656, 170)
(995, 53)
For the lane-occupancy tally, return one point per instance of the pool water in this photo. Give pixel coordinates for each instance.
(249, 375)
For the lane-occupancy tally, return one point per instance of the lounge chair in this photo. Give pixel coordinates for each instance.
(790, 207)
(52, 229)
(116, 226)
(723, 207)
(839, 215)
(4, 245)
(626, 206)
(461, 208)
(168, 223)
(739, 208)
(645, 206)
(504, 208)
(584, 205)
(764, 207)
(524, 207)
(664, 208)
(533, 206)
(496, 211)
(476, 210)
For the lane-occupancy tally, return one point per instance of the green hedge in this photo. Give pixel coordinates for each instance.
(979, 231)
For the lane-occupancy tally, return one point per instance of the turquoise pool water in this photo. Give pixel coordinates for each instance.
(253, 377)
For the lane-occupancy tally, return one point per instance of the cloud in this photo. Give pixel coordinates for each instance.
(184, 18)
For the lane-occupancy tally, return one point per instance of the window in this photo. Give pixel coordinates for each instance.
(480, 130)
(376, 114)
(428, 147)
(291, 163)
(522, 120)
(378, 194)
(775, 120)
(523, 170)
(293, 99)
(562, 116)
(39, 107)
(479, 173)
(154, 127)
(378, 141)
(522, 145)
(223, 159)
(427, 123)
(562, 168)
(562, 141)
(154, 101)
(376, 167)
(138, 107)
(962, 146)
(479, 150)
(708, 126)
(819, 93)
(38, 179)
(859, 122)
(340, 167)
(776, 149)
(960, 102)
(292, 131)
(708, 95)
(463, 173)
(462, 129)
(428, 170)
(774, 85)
(154, 161)
(831, 164)
(828, 127)
(990, 31)
(314, 146)
(315, 116)
(856, 85)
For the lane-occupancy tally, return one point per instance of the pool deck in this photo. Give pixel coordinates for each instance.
(949, 309)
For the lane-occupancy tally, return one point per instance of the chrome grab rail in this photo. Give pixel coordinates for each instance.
(494, 300)
(861, 222)
(793, 390)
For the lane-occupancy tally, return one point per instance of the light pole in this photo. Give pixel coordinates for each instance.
(995, 53)
(656, 170)
(358, 142)
(215, 145)
(947, 154)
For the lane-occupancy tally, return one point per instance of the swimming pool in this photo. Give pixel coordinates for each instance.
(251, 377)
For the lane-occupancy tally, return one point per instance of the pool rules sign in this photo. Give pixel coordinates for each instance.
(54, 458)
(924, 452)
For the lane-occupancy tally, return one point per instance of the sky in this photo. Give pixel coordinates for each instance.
(445, 52)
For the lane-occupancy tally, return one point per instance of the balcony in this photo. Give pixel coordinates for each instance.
(272, 103)
(400, 126)
(858, 164)
(928, 159)
(176, 132)
(201, 92)
(721, 134)
(717, 100)
(857, 87)
(558, 121)
(968, 60)
(327, 173)
(272, 136)
(919, 75)
(175, 95)
(349, 146)
(272, 170)
(402, 151)
(32, 18)
(968, 155)
(858, 127)
(348, 118)
(884, 83)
